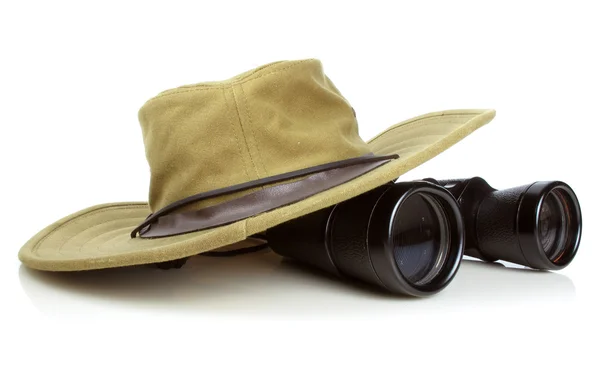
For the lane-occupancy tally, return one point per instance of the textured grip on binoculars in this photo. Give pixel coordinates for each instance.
(348, 241)
(304, 239)
(496, 225)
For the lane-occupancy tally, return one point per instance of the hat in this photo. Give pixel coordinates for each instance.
(233, 158)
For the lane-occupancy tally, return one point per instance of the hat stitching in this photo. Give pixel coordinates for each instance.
(408, 124)
(261, 68)
(206, 87)
(76, 219)
(95, 237)
(35, 247)
(237, 108)
(410, 127)
(252, 129)
(395, 145)
(186, 91)
(236, 78)
(111, 243)
(273, 72)
(238, 145)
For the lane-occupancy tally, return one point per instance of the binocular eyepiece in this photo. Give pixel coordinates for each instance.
(409, 237)
(536, 225)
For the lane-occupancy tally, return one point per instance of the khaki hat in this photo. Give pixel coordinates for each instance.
(233, 158)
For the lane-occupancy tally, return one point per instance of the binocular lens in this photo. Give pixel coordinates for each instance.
(553, 224)
(421, 239)
(549, 225)
(407, 238)
(537, 225)
(410, 237)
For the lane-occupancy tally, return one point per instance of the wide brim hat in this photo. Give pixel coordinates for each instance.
(231, 159)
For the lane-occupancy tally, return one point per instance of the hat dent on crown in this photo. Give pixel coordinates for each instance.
(282, 117)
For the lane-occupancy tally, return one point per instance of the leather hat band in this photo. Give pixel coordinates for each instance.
(317, 179)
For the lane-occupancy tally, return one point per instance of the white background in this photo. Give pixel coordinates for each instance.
(73, 75)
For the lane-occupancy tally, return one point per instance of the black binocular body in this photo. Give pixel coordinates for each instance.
(409, 237)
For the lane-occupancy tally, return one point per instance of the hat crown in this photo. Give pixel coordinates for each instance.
(278, 118)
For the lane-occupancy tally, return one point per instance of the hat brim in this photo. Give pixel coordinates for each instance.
(99, 237)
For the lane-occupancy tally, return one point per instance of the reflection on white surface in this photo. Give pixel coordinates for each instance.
(264, 284)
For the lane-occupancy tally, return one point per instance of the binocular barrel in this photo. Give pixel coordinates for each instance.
(405, 237)
(409, 237)
(536, 225)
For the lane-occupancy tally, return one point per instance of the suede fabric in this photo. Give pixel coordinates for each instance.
(274, 119)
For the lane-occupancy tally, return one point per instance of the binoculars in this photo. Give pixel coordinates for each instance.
(409, 237)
